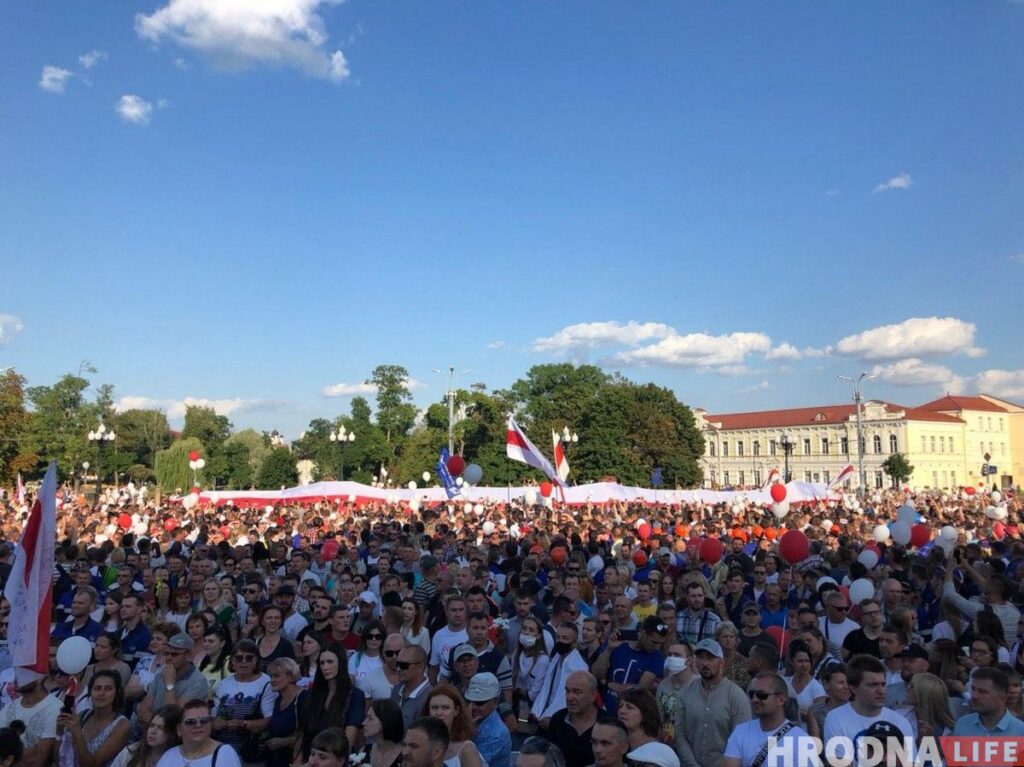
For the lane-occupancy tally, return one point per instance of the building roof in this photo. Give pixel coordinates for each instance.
(949, 403)
(813, 416)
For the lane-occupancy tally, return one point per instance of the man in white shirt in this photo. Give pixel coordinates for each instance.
(38, 711)
(836, 624)
(768, 694)
(448, 638)
(564, 660)
(866, 678)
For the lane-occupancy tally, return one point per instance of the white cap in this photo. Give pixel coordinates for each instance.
(654, 753)
(368, 597)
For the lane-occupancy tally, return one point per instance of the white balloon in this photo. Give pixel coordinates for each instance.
(868, 558)
(479, 509)
(990, 512)
(269, 508)
(780, 509)
(861, 589)
(459, 481)
(948, 533)
(826, 525)
(1001, 513)
(737, 509)
(488, 527)
(530, 496)
(946, 545)
(881, 533)
(996, 496)
(412, 484)
(856, 505)
(192, 465)
(190, 501)
(352, 498)
(414, 504)
(824, 581)
(201, 463)
(907, 515)
(73, 655)
(900, 533)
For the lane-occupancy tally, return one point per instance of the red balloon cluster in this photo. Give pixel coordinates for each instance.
(644, 531)
(124, 521)
(546, 489)
(711, 550)
(778, 492)
(456, 465)
(920, 535)
(194, 455)
(794, 547)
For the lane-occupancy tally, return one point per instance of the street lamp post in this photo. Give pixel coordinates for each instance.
(787, 448)
(85, 472)
(856, 384)
(450, 395)
(342, 436)
(101, 437)
(568, 437)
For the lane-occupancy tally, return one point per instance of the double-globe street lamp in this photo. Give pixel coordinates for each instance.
(342, 436)
(787, 449)
(101, 437)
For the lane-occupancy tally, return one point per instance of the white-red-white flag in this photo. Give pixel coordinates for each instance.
(21, 491)
(772, 478)
(842, 476)
(519, 448)
(29, 588)
(561, 463)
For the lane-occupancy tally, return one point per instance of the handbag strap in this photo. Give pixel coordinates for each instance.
(763, 753)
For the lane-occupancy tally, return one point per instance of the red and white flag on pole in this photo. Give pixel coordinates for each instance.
(519, 448)
(21, 490)
(842, 476)
(30, 585)
(561, 464)
(773, 476)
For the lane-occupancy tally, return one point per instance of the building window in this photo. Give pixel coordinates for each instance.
(933, 444)
(741, 478)
(807, 447)
(1000, 424)
(942, 444)
(876, 443)
(861, 445)
(981, 424)
(892, 444)
(824, 445)
(951, 448)
(944, 479)
(952, 479)
(725, 449)
(757, 477)
(990, 450)
(935, 479)
(756, 447)
(844, 445)
(878, 479)
(725, 478)
(771, 447)
(711, 448)
(807, 476)
(826, 476)
(924, 444)
(739, 451)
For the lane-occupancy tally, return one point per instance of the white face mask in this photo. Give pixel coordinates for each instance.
(527, 641)
(674, 664)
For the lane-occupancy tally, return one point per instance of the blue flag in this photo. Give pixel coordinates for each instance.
(656, 478)
(447, 480)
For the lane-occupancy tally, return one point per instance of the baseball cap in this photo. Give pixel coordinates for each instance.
(652, 625)
(709, 646)
(463, 650)
(368, 597)
(285, 591)
(914, 651)
(654, 753)
(664, 552)
(483, 687)
(181, 642)
(428, 562)
(751, 607)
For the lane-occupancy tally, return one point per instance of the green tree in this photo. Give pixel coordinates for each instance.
(898, 467)
(140, 434)
(212, 431)
(172, 471)
(14, 421)
(395, 411)
(239, 465)
(278, 470)
(61, 418)
(257, 446)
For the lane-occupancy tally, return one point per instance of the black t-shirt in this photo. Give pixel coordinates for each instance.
(746, 642)
(576, 747)
(856, 643)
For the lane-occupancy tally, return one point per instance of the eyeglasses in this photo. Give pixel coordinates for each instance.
(839, 608)
(391, 653)
(375, 635)
(761, 695)
(200, 722)
(405, 665)
(245, 656)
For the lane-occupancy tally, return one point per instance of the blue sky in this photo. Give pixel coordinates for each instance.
(255, 206)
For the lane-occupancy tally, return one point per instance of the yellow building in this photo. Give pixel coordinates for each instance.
(943, 440)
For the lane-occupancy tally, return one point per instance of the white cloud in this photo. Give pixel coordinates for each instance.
(998, 383)
(916, 337)
(242, 33)
(783, 351)
(832, 192)
(363, 389)
(594, 335)
(134, 109)
(698, 350)
(1018, 257)
(10, 326)
(175, 408)
(92, 58)
(902, 181)
(497, 345)
(754, 388)
(54, 79)
(913, 372)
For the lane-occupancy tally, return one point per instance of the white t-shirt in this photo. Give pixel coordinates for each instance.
(40, 720)
(812, 691)
(835, 633)
(293, 624)
(361, 668)
(443, 643)
(747, 740)
(237, 699)
(226, 757)
(376, 685)
(844, 722)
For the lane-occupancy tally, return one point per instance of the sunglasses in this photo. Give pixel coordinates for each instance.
(760, 695)
(193, 722)
(391, 653)
(839, 608)
(405, 665)
(375, 636)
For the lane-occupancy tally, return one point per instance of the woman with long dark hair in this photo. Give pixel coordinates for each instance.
(366, 661)
(160, 735)
(96, 736)
(640, 715)
(217, 651)
(332, 700)
(273, 644)
(383, 729)
(413, 630)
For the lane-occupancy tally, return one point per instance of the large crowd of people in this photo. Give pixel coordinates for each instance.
(376, 635)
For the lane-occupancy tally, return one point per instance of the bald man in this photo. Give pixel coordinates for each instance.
(572, 727)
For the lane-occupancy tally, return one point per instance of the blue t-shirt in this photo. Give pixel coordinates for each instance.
(626, 666)
(91, 630)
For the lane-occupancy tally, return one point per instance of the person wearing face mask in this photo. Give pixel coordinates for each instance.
(564, 660)
(529, 667)
(678, 674)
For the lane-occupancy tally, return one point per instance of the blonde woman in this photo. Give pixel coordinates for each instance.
(734, 664)
(926, 693)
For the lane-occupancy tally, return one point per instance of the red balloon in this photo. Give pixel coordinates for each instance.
(640, 558)
(711, 550)
(124, 521)
(644, 531)
(558, 555)
(778, 492)
(545, 489)
(920, 535)
(969, 490)
(793, 547)
(194, 455)
(170, 524)
(778, 636)
(456, 464)
(330, 550)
